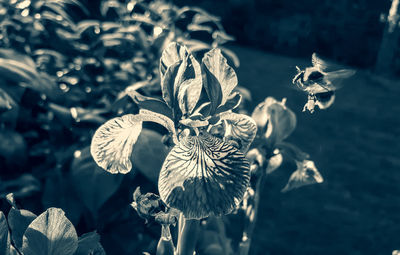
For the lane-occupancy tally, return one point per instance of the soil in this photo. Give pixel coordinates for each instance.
(355, 145)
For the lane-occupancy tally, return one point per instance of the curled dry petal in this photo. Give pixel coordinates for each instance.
(240, 127)
(305, 174)
(202, 176)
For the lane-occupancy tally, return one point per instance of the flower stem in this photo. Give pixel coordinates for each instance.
(187, 237)
(251, 215)
(165, 245)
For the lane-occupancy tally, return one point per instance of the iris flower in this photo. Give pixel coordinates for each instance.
(206, 172)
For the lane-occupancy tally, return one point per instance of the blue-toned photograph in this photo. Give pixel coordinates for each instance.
(183, 127)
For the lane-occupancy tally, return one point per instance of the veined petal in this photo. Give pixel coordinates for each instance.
(202, 176)
(113, 142)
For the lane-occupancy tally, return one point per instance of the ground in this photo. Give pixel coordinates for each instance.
(355, 145)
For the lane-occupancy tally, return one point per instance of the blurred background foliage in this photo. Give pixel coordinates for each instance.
(65, 68)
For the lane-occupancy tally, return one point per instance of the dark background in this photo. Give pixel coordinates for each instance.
(347, 31)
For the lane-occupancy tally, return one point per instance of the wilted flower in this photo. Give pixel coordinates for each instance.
(274, 120)
(305, 174)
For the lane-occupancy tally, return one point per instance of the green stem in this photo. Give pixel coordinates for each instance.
(165, 245)
(251, 217)
(187, 237)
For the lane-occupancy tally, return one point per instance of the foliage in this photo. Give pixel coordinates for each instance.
(49, 233)
(64, 70)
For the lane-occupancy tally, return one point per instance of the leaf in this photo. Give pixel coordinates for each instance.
(89, 244)
(305, 174)
(231, 56)
(149, 146)
(241, 128)
(219, 74)
(24, 186)
(113, 141)
(19, 220)
(18, 68)
(15, 71)
(6, 101)
(4, 235)
(60, 184)
(151, 104)
(50, 233)
(59, 9)
(160, 119)
(14, 55)
(291, 151)
(92, 185)
(232, 103)
(73, 2)
(221, 37)
(203, 176)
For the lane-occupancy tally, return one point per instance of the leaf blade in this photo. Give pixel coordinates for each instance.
(50, 233)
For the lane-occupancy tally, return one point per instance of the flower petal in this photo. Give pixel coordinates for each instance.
(274, 120)
(202, 176)
(240, 127)
(172, 54)
(113, 142)
(305, 174)
(220, 79)
(274, 162)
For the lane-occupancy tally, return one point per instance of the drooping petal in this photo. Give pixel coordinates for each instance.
(113, 142)
(202, 176)
(305, 174)
(241, 128)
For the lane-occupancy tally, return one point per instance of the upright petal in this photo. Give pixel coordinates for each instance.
(220, 79)
(202, 176)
